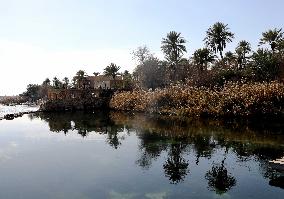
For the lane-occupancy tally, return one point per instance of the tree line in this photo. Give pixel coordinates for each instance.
(211, 66)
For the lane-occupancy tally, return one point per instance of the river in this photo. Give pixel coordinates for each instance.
(118, 155)
(4, 110)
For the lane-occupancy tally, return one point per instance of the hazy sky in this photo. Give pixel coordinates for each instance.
(47, 38)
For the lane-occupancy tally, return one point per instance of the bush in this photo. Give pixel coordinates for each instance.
(234, 99)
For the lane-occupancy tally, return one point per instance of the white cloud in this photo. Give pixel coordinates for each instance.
(22, 64)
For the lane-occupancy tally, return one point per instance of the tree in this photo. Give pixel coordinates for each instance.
(202, 57)
(229, 58)
(33, 92)
(217, 37)
(141, 54)
(173, 47)
(151, 74)
(65, 82)
(56, 82)
(265, 65)
(272, 37)
(46, 82)
(112, 70)
(242, 49)
(79, 80)
(127, 79)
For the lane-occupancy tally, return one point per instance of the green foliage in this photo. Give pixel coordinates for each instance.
(265, 65)
(272, 37)
(173, 47)
(79, 79)
(242, 50)
(112, 70)
(202, 57)
(33, 92)
(65, 82)
(217, 37)
(56, 83)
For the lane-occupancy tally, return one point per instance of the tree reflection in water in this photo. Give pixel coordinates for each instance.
(176, 167)
(175, 138)
(219, 179)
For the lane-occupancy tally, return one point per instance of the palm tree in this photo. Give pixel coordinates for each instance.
(79, 79)
(46, 82)
(217, 37)
(112, 70)
(173, 47)
(229, 57)
(65, 82)
(272, 37)
(242, 49)
(56, 82)
(202, 57)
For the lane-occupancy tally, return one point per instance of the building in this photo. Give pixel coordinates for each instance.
(105, 82)
(91, 86)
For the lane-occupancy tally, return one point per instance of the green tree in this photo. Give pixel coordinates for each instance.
(272, 38)
(202, 57)
(173, 47)
(79, 80)
(56, 83)
(229, 58)
(217, 37)
(65, 82)
(46, 82)
(265, 65)
(242, 50)
(112, 70)
(33, 92)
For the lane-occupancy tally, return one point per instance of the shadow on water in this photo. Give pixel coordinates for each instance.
(261, 141)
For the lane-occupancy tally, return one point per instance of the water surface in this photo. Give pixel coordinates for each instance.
(115, 155)
(4, 110)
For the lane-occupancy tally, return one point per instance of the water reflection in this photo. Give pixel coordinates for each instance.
(176, 138)
(176, 167)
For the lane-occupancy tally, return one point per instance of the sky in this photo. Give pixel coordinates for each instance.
(47, 38)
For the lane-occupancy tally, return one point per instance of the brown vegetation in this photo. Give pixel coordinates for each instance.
(233, 99)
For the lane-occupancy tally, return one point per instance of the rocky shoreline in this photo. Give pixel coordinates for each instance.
(12, 116)
(75, 104)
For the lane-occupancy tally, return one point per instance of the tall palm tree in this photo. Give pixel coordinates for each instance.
(65, 82)
(272, 37)
(56, 82)
(242, 50)
(112, 70)
(173, 47)
(202, 57)
(229, 57)
(79, 79)
(217, 37)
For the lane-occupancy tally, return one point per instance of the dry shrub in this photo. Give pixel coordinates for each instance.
(234, 99)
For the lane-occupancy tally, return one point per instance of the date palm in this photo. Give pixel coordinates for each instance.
(272, 38)
(229, 57)
(242, 50)
(173, 47)
(112, 70)
(217, 37)
(202, 57)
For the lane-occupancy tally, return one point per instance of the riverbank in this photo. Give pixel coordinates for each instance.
(232, 100)
(11, 112)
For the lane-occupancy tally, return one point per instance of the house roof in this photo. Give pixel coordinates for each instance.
(101, 78)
